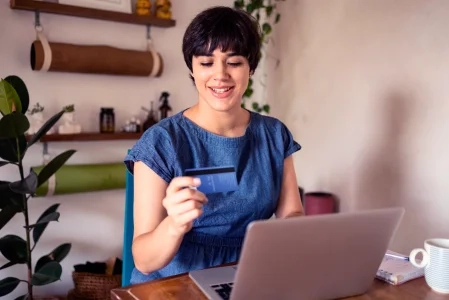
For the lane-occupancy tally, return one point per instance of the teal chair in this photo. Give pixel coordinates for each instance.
(127, 256)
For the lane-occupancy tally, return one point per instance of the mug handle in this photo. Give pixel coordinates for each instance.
(425, 257)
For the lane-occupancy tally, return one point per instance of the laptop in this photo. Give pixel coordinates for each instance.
(312, 257)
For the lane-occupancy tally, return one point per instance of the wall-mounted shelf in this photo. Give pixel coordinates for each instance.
(90, 136)
(83, 12)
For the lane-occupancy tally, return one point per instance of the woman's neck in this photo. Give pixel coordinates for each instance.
(229, 124)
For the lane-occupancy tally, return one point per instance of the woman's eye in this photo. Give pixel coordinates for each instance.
(234, 64)
(206, 64)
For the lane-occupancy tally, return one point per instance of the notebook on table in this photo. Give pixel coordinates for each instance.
(397, 269)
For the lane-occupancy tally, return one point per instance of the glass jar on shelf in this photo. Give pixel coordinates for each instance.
(107, 120)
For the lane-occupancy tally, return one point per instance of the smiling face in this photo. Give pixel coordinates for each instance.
(221, 78)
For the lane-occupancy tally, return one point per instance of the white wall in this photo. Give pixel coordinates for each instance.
(364, 88)
(92, 222)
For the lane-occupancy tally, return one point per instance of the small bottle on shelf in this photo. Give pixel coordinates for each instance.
(107, 120)
(165, 109)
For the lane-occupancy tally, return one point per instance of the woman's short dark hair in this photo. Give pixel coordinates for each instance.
(225, 28)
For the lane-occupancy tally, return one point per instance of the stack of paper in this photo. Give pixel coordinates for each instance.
(396, 269)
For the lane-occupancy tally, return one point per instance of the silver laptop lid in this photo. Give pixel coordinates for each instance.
(314, 257)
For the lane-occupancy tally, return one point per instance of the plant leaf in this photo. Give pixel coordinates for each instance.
(23, 297)
(248, 93)
(239, 4)
(39, 229)
(9, 150)
(7, 265)
(13, 248)
(266, 108)
(25, 186)
(266, 28)
(48, 218)
(10, 203)
(250, 8)
(3, 163)
(9, 99)
(48, 273)
(61, 252)
(8, 197)
(6, 214)
(21, 90)
(13, 125)
(58, 254)
(48, 125)
(278, 18)
(269, 10)
(42, 262)
(53, 166)
(8, 285)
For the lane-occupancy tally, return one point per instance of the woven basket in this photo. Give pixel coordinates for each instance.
(94, 286)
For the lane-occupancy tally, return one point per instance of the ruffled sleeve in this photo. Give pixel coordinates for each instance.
(155, 149)
(290, 145)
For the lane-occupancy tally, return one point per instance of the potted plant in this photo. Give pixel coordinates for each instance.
(14, 196)
(265, 12)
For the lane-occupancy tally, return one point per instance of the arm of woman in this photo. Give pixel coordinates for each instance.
(289, 204)
(158, 234)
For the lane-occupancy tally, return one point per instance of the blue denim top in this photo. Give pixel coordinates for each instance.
(176, 143)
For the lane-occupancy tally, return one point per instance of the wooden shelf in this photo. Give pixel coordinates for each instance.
(83, 12)
(90, 136)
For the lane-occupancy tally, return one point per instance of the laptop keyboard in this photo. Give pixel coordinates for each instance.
(224, 290)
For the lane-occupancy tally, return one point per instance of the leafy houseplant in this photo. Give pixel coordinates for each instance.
(14, 196)
(257, 8)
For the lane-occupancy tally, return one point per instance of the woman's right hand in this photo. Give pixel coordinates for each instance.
(183, 204)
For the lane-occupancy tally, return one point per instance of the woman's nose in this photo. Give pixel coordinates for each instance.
(221, 71)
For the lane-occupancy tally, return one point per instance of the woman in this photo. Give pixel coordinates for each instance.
(178, 229)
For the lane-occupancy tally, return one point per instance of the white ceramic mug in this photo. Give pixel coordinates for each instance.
(436, 263)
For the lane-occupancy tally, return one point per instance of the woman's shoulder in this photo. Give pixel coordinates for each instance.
(273, 129)
(157, 147)
(165, 134)
(265, 122)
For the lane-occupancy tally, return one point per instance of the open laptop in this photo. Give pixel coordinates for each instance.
(313, 257)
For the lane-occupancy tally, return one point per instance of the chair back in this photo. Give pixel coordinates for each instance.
(128, 232)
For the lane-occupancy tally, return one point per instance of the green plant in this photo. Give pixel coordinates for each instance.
(14, 196)
(265, 13)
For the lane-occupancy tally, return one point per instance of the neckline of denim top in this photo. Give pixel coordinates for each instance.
(219, 140)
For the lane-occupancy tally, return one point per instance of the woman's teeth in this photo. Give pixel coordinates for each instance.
(219, 91)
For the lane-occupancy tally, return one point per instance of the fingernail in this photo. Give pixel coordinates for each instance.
(197, 181)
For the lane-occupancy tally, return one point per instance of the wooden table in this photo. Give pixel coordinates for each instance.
(182, 287)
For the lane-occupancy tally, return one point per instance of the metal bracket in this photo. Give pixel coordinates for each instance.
(148, 32)
(37, 19)
(44, 148)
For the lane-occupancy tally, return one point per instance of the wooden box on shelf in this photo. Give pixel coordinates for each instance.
(91, 13)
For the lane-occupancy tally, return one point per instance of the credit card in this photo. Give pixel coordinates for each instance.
(215, 179)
